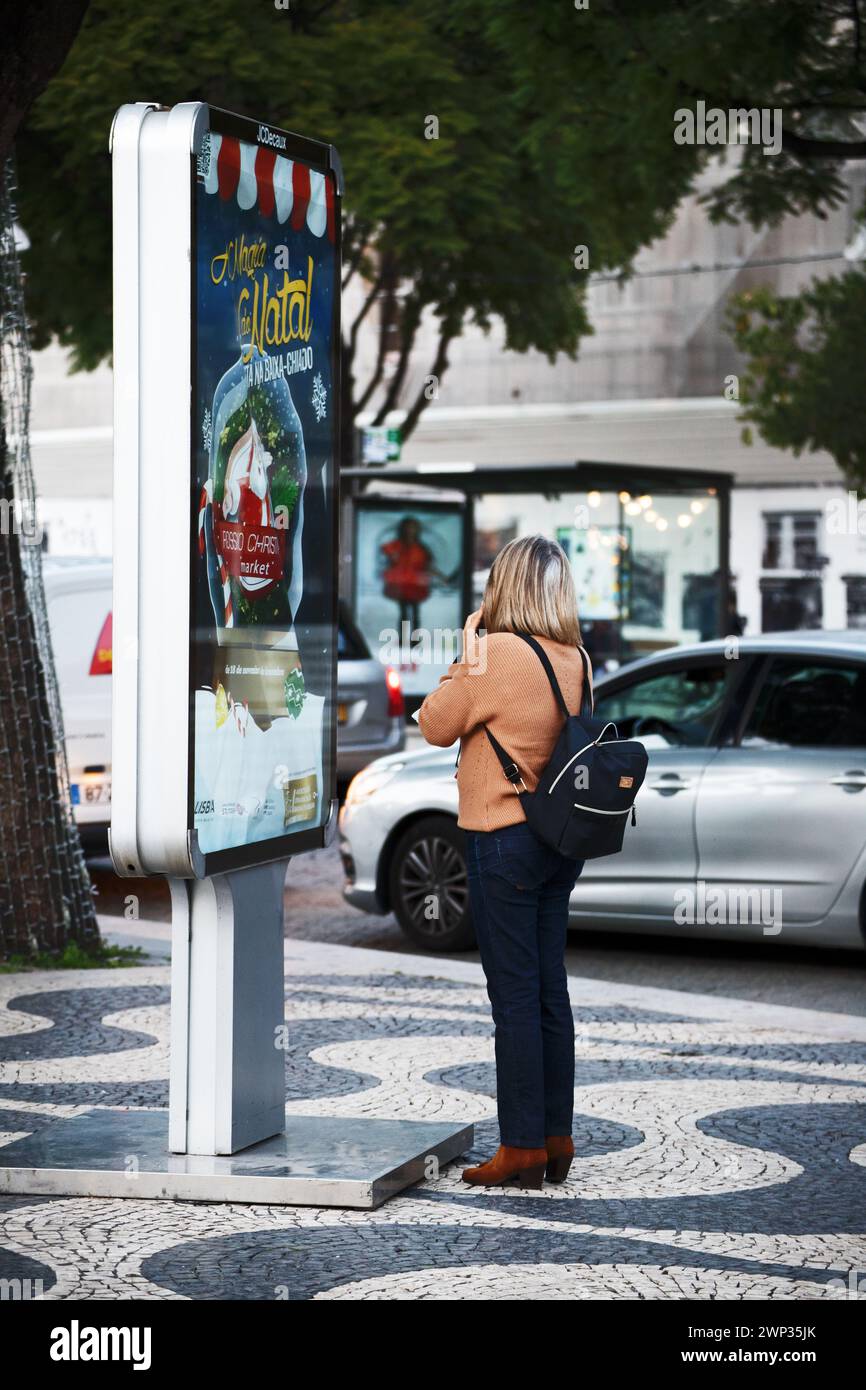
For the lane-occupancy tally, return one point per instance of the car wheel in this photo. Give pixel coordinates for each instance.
(428, 885)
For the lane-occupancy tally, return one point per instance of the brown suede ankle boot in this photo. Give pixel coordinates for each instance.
(560, 1152)
(509, 1165)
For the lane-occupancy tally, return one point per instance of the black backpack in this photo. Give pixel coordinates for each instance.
(586, 791)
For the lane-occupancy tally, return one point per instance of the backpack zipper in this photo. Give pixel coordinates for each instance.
(597, 812)
(593, 744)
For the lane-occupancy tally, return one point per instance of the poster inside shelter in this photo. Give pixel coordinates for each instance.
(409, 587)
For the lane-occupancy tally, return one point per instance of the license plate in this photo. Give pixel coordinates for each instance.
(342, 714)
(90, 793)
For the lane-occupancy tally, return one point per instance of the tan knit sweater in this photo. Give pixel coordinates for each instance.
(506, 688)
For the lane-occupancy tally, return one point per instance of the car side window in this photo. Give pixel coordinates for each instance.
(677, 708)
(809, 704)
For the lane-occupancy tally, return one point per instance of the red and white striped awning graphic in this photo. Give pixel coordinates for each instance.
(283, 188)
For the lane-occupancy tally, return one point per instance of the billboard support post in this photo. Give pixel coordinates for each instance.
(227, 1072)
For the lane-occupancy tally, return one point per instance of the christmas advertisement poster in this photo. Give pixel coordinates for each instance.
(265, 242)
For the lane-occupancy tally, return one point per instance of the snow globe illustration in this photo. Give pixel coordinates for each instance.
(251, 511)
(259, 730)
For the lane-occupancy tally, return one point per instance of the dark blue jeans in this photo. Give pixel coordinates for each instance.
(519, 891)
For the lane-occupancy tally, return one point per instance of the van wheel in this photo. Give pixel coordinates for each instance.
(428, 885)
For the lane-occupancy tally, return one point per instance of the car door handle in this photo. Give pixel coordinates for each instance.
(670, 782)
(853, 781)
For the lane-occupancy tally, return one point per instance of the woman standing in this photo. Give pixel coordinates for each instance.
(518, 886)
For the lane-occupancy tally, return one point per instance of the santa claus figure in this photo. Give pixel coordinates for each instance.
(247, 490)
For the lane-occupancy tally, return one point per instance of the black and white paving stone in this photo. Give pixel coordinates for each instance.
(721, 1145)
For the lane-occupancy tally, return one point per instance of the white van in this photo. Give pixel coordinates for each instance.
(78, 594)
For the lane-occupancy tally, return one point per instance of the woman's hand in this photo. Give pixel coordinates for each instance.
(470, 635)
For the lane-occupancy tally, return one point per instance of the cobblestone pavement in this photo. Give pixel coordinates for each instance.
(721, 1145)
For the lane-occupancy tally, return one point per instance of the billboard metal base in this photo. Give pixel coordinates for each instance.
(227, 1136)
(319, 1161)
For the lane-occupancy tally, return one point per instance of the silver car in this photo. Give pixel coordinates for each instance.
(751, 823)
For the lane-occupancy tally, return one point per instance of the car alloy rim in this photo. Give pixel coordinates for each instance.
(434, 868)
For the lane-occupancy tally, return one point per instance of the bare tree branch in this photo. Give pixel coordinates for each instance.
(411, 320)
(354, 261)
(371, 385)
(365, 309)
(388, 279)
(450, 330)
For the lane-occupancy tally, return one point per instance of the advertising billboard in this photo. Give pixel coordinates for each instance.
(266, 291)
(409, 579)
(237, 481)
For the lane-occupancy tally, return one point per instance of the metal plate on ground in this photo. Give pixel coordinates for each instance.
(320, 1161)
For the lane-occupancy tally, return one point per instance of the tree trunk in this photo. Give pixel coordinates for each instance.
(45, 895)
(347, 407)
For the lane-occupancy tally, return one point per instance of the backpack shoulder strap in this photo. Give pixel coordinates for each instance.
(586, 703)
(509, 766)
(548, 669)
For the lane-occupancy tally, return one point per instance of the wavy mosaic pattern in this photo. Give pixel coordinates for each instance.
(720, 1153)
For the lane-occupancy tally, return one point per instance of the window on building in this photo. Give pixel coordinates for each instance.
(855, 585)
(791, 541)
(790, 604)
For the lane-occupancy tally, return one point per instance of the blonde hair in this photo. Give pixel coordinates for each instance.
(530, 588)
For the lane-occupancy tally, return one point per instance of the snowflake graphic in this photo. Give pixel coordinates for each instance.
(206, 430)
(320, 397)
(294, 692)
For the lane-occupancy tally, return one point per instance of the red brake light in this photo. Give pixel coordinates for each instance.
(101, 663)
(396, 707)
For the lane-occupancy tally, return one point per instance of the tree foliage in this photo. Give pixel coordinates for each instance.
(805, 382)
(555, 130)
